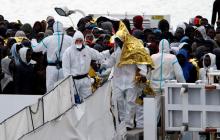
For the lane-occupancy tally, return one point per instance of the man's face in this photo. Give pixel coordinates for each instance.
(207, 61)
(79, 41)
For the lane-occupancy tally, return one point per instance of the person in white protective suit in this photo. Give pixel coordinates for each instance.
(124, 92)
(139, 115)
(209, 64)
(54, 46)
(76, 62)
(166, 67)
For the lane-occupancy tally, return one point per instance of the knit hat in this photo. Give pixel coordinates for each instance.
(138, 21)
(20, 34)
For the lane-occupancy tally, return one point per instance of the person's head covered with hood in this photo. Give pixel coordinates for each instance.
(164, 46)
(57, 27)
(20, 34)
(15, 52)
(209, 64)
(209, 61)
(25, 55)
(189, 70)
(78, 40)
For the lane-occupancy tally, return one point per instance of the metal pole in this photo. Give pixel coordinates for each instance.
(71, 21)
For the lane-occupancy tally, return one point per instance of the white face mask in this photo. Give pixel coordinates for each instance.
(79, 46)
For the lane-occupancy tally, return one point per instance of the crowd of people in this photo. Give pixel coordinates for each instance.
(34, 58)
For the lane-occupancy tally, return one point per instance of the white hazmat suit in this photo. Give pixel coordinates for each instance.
(51, 45)
(77, 63)
(123, 85)
(166, 67)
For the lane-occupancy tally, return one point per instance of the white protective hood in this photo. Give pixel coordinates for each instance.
(57, 27)
(213, 61)
(164, 46)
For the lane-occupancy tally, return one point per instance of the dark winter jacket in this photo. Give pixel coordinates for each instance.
(24, 79)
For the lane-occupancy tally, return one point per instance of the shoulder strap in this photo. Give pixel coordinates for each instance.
(61, 45)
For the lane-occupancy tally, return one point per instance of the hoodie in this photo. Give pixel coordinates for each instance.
(164, 46)
(189, 71)
(23, 53)
(203, 71)
(77, 35)
(24, 74)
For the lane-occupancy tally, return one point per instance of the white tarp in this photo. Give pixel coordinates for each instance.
(17, 125)
(91, 120)
(10, 104)
(55, 117)
(58, 101)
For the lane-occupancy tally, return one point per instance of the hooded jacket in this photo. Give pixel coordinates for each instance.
(22, 54)
(203, 71)
(166, 67)
(77, 62)
(24, 74)
(189, 70)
